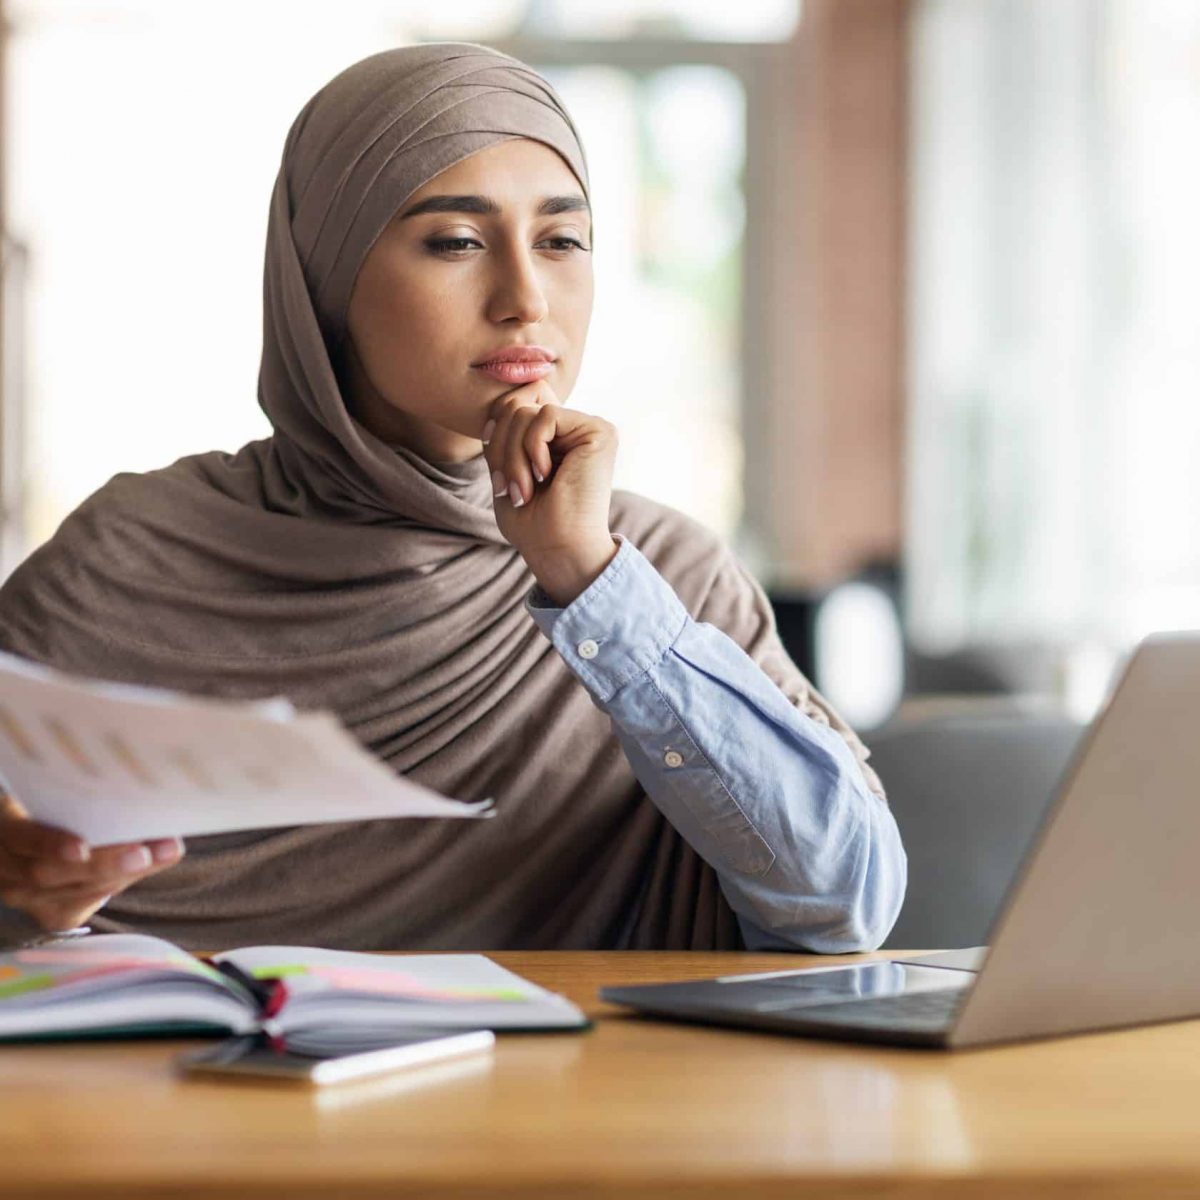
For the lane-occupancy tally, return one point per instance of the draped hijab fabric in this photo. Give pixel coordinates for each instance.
(322, 564)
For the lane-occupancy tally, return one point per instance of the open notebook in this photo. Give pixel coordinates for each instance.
(114, 985)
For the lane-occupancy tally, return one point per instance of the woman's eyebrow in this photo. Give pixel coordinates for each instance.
(487, 206)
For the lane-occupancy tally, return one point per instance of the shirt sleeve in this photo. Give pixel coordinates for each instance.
(808, 856)
(18, 929)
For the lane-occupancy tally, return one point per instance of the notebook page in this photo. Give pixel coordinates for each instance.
(446, 990)
(113, 979)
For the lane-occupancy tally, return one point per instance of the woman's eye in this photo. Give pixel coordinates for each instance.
(458, 245)
(450, 245)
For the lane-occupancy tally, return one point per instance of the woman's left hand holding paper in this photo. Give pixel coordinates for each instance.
(552, 470)
(58, 879)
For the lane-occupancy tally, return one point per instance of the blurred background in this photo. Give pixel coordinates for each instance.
(914, 285)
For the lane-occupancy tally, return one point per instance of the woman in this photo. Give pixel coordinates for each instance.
(429, 545)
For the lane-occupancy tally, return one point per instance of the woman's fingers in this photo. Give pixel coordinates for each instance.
(108, 864)
(517, 463)
(24, 836)
(538, 436)
(58, 895)
(70, 903)
(58, 878)
(512, 472)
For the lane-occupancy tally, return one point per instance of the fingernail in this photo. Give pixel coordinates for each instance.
(488, 430)
(537, 474)
(499, 487)
(75, 852)
(166, 851)
(514, 494)
(135, 860)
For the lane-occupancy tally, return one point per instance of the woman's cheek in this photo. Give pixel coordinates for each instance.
(427, 324)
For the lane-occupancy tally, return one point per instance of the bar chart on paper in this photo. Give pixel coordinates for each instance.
(117, 762)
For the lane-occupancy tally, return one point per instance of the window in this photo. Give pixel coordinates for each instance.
(1055, 345)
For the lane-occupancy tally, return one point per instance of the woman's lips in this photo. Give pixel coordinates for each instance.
(516, 372)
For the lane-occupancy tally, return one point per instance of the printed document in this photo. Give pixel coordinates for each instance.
(116, 762)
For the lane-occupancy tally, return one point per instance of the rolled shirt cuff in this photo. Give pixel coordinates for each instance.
(618, 627)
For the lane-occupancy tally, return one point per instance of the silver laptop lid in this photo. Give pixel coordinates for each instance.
(1098, 929)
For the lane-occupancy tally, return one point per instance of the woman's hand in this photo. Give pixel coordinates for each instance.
(552, 470)
(58, 879)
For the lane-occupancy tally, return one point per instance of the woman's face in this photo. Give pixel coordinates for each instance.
(421, 314)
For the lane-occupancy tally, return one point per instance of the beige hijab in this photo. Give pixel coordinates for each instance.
(324, 565)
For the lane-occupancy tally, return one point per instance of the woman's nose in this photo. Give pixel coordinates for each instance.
(517, 291)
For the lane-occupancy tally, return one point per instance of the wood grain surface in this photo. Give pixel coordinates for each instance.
(631, 1108)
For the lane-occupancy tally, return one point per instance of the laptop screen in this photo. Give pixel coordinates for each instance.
(843, 983)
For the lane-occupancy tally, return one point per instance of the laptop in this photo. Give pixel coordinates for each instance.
(1095, 932)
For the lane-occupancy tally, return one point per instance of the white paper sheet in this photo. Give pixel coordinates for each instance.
(115, 762)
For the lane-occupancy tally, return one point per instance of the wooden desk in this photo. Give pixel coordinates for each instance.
(632, 1109)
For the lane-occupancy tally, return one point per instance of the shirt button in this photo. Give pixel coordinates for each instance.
(588, 648)
(673, 758)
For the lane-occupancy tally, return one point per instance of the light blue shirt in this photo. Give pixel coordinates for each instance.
(807, 855)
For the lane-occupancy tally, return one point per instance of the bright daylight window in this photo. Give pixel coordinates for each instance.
(1055, 344)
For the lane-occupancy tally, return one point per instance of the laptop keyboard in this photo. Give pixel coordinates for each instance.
(926, 1012)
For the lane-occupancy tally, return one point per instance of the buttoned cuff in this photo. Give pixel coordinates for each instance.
(616, 628)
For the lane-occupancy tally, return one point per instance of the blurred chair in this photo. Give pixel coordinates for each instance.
(968, 793)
